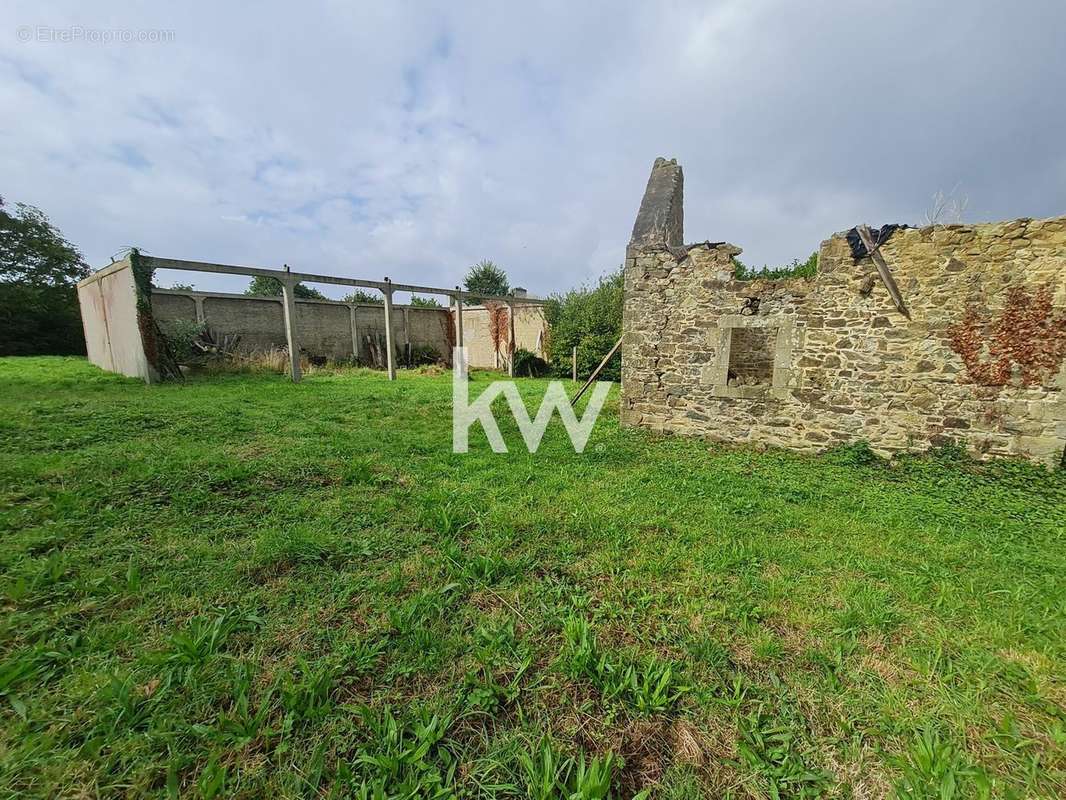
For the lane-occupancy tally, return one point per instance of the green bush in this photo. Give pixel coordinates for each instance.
(370, 298)
(529, 365)
(422, 354)
(589, 318)
(797, 269)
(424, 302)
(39, 319)
(180, 335)
(271, 287)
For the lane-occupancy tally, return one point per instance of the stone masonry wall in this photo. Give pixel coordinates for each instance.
(980, 361)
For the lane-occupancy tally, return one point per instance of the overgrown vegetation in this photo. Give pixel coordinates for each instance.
(424, 302)
(590, 319)
(242, 587)
(797, 269)
(529, 365)
(181, 336)
(271, 287)
(39, 272)
(370, 298)
(1027, 342)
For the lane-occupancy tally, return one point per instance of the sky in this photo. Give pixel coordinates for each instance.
(411, 140)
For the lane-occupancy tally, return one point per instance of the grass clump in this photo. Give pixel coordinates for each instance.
(646, 686)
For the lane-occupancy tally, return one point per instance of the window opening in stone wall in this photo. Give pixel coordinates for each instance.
(751, 356)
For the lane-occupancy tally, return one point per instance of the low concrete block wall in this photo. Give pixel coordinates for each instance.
(325, 327)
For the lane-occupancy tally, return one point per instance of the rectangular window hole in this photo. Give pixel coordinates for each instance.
(751, 356)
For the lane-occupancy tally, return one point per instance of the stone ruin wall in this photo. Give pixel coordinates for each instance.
(979, 363)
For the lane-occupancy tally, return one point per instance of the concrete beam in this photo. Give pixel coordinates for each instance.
(156, 262)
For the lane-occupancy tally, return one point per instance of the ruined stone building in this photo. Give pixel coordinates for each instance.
(974, 354)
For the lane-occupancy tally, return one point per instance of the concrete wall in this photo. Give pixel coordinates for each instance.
(979, 362)
(108, 301)
(530, 328)
(324, 327)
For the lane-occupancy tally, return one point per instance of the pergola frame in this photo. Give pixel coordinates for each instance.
(289, 279)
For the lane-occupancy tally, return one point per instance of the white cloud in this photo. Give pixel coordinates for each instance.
(412, 140)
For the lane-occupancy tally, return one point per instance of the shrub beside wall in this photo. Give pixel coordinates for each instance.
(589, 318)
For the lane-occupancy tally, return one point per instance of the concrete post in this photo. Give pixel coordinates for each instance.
(458, 319)
(354, 309)
(289, 301)
(201, 318)
(390, 349)
(510, 343)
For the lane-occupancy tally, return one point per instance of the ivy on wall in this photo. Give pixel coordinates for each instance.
(156, 348)
(499, 322)
(1026, 341)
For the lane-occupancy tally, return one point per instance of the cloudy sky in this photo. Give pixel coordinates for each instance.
(411, 140)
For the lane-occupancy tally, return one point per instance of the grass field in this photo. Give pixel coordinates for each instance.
(240, 587)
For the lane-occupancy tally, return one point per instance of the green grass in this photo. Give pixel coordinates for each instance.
(240, 587)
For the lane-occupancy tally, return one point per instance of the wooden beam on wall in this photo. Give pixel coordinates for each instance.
(874, 249)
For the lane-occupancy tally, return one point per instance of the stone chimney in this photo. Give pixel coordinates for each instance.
(661, 219)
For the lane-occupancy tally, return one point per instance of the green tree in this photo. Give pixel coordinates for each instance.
(271, 287)
(359, 296)
(424, 302)
(797, 269)
(485, 277)
(590, 319)
(39, 272)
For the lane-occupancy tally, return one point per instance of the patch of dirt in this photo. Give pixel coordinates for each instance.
(645, 747)
(865, 776)
(649, 746)
(249, 450)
